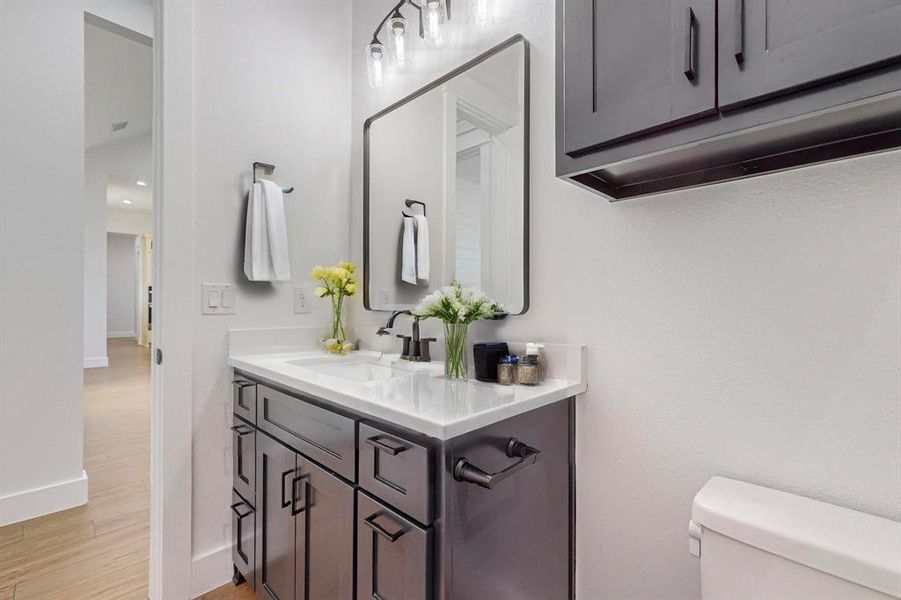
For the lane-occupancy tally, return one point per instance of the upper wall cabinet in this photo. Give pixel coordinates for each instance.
(655, 95)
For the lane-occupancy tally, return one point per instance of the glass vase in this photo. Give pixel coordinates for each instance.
(336, 332)
(455, 364)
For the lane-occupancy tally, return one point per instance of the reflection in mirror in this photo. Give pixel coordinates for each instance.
(446, 194)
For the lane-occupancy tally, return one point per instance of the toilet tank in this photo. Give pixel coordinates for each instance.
(756, 543)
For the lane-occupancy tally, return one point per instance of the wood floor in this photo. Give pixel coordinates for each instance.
(98, 551)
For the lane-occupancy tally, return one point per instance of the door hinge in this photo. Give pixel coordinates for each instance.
(159, 356)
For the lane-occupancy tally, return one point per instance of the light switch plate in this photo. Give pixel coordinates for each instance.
(217, 299)
(302, 298)
(386, 298)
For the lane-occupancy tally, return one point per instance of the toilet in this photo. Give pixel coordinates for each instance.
(756, 543)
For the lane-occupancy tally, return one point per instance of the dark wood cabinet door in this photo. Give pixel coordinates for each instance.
(276, 476)
(325, 535)
(771, 47)
(634, 66)
(394, 555)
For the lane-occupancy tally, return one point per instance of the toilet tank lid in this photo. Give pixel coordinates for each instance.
(855, 546)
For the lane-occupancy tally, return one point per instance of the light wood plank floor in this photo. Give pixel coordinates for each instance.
(98, 551)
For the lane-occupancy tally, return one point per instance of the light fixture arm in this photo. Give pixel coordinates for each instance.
(396, 11)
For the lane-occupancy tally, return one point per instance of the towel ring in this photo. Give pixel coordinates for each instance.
(268, 169)
(410, 203)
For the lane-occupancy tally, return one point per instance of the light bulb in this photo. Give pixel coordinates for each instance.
(434, 17)
(398, 26)
(374, 54)
(483, 12)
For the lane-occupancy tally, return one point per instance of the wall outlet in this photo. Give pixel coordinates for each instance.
(303, 296)
(217, 299)
(386, 298)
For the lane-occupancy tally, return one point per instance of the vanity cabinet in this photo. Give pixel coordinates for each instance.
(486, 514)
(665, 94)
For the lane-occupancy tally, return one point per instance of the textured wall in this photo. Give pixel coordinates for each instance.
(748, 329)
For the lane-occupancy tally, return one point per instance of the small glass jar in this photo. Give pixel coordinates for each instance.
(506, 370)
(527, 370)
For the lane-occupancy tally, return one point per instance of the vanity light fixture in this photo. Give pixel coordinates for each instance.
(432, 15)
(141, 183)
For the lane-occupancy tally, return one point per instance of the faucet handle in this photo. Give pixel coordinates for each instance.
(406, 351)
(424, 354)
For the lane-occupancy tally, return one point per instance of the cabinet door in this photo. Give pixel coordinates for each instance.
(394, 555)
(276, 477)
(242, 537)
(631, 67)
(325, 535)
(770, 47)
(244, 460)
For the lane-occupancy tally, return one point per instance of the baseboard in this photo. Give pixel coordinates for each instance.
(121, 334)
(45, 500)
(211, 570)
(94, 362)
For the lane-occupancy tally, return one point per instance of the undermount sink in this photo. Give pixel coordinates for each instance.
(359, 370)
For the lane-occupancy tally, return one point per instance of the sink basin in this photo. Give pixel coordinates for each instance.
(353, 369)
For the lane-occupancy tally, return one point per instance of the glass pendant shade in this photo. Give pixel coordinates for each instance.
(375, 64)
(435, 18)
(484, 13)
(397, 27)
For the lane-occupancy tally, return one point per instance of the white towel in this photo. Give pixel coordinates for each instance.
(408, 258)
(266, 256)
(422, 247)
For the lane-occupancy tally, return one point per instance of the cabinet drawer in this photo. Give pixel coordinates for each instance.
(244, 399)
(394, 555)
(324, 436)
(243, 528)
(397, 471)
(244, 459)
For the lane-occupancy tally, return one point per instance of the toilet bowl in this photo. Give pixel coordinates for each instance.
(756, 543)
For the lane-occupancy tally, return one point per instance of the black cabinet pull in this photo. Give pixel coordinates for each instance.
(239, 514)
(242, 429)
(286, 502)
(740, 31)
(393, 450)
(296, 494)
(392, 537)
(465, 471)
(691, 42)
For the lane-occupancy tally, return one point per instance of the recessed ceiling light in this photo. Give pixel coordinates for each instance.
(141, 183)
(126, 201)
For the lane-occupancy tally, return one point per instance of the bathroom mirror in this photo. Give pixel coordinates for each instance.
(457, 153)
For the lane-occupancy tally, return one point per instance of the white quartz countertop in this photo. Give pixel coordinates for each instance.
(412, 395)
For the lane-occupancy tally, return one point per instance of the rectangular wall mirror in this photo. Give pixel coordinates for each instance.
(457, 153)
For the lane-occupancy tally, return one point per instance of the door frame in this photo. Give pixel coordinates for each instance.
(171, 405)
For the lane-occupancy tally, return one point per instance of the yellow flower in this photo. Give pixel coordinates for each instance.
(347, 266)
(339, 274)
(320, 292)
(318, 272)
(351, 289)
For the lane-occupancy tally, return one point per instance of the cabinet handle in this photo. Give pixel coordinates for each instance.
(295, 494)
(241, 515)
(287, 502)
(740, 31)
(242, 429)
(392, 537)
(391, 449)
(243, 383)
(467, 472)
(691, 55)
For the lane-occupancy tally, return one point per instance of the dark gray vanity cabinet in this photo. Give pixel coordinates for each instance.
(664, 94)
(486, 514)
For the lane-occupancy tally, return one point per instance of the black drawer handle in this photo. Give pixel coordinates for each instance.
(241, 515)
(740, 31)
(691, 42)
(296, 494)
(286, 502)
(392, 537)
(393, 450)
(467, 472)
(242, 383)
(242, 429)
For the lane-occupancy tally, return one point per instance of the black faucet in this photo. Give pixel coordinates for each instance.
(415, 348)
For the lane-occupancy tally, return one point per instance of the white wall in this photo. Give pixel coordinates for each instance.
(272, 84)
(118, 158)
(749, 329)
(41, 253)
(121, 285)
(41, 259)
